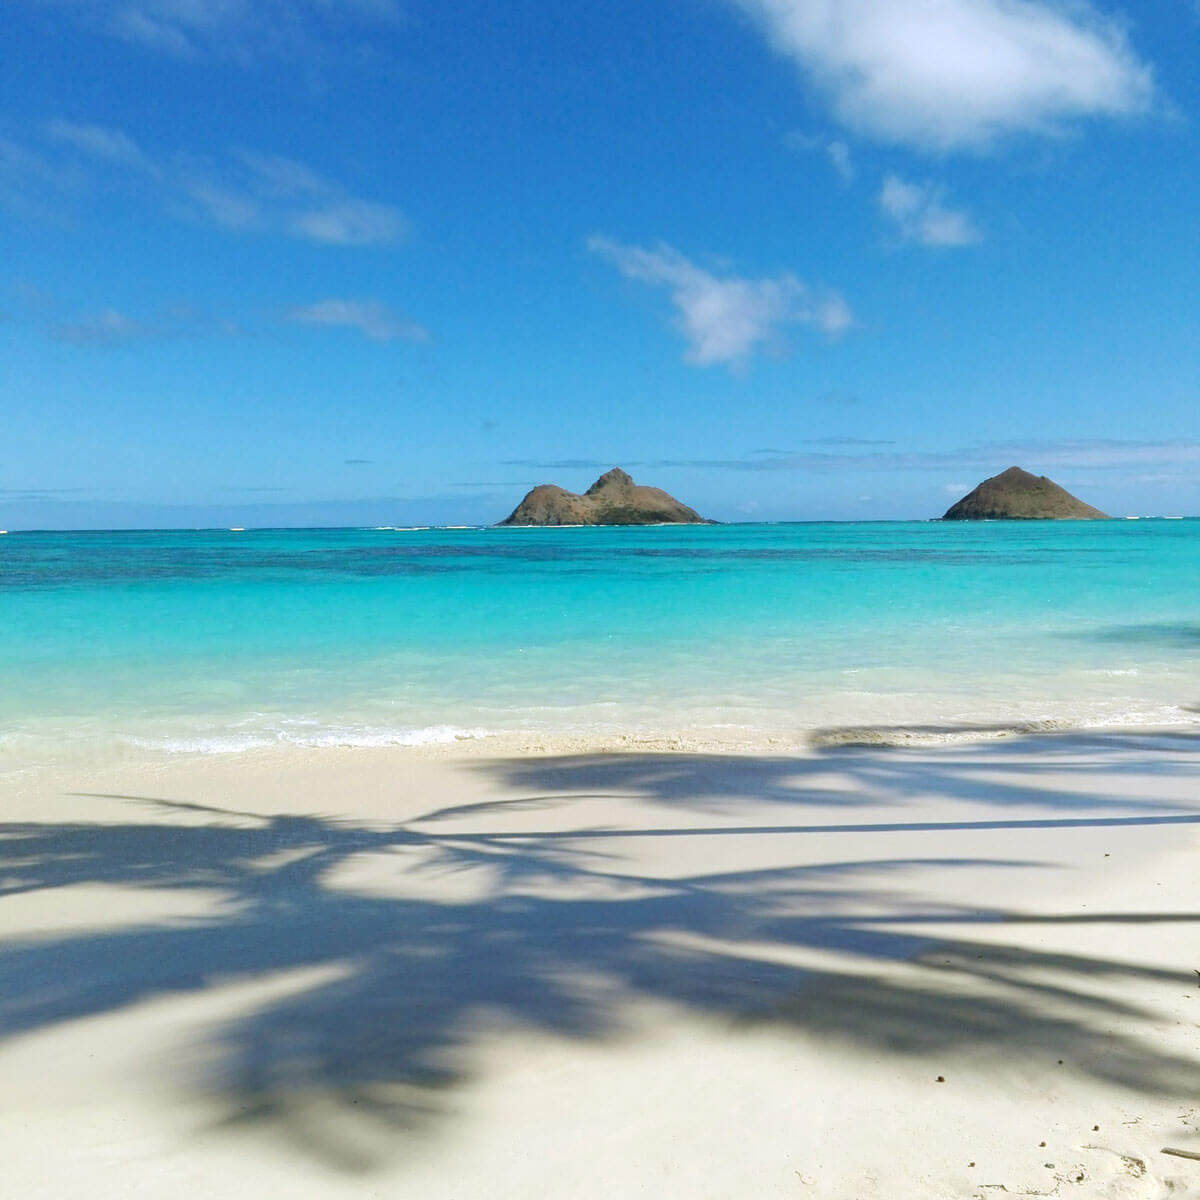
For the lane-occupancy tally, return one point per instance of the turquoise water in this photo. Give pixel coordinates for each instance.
(218, 641)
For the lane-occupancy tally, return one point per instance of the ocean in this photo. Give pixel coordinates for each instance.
(730, 635)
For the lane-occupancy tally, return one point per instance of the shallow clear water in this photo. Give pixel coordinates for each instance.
(222, 640)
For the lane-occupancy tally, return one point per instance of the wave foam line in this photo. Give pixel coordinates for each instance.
(329, 738)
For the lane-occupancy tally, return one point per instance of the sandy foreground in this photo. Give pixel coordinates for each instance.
(956, 971)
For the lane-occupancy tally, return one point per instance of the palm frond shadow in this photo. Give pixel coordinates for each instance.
(563, 936)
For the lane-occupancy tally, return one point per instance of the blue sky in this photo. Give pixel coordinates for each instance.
(394, 261)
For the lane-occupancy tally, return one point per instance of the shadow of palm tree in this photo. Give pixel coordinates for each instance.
(567, 933)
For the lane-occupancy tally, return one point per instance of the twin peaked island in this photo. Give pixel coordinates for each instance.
(614, 499)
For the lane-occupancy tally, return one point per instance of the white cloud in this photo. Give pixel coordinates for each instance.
(839, 157)
(920, 216)
(1153, 460)
(247, 191)
(725, 319)
(242, 30)
(275, 175)
(32, 184)
(156, 32)
(350, 223)
(106, 328)
(278, 195)
(837, 152)
(798, 140)
(98, 141)
(1097, 454)
(371, 318)
(1101, 453)
(229, 208)
(111, 327)
(954, 74)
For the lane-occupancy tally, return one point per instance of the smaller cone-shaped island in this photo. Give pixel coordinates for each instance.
(614, 499)
(1016, 495)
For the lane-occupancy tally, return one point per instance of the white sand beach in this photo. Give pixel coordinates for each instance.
(966, 970)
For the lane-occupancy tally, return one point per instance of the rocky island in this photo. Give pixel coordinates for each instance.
(614, 499)
(1016, 495)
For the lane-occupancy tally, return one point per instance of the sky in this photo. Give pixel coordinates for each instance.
(355, 262)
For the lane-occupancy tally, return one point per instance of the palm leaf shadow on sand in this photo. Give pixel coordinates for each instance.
(564, 935)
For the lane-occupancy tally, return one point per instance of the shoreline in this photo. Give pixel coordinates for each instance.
(451, 971)
(128, 753)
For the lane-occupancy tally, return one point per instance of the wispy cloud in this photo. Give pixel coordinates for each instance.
(371, 318)
(32, 184)
(248, 489)
(238, 30)
(725, 319)
(347, 222)
(45, 492)
(919, 214)
(955, 74)
(46, 511)
(834, 441)
(563, 464)
(840, 158)
(496, 483)
(246, 191)
(111, 327)
(1102, 453)
(99, 142)
(1055, 454)
(837, 152)
(105, 328)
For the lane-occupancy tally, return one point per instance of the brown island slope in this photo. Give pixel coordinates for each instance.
(614, 499)
(1017, 495)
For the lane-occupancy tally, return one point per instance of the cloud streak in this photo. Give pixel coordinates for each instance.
(244, 192)
(918, 214)
(842, 162)
(1098, 454)
(110, 327)
(957, 74)
(238, 30)
(725, 319)
(372, 319)
(99, 142)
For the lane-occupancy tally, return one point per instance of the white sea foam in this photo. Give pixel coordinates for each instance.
(316, 736)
